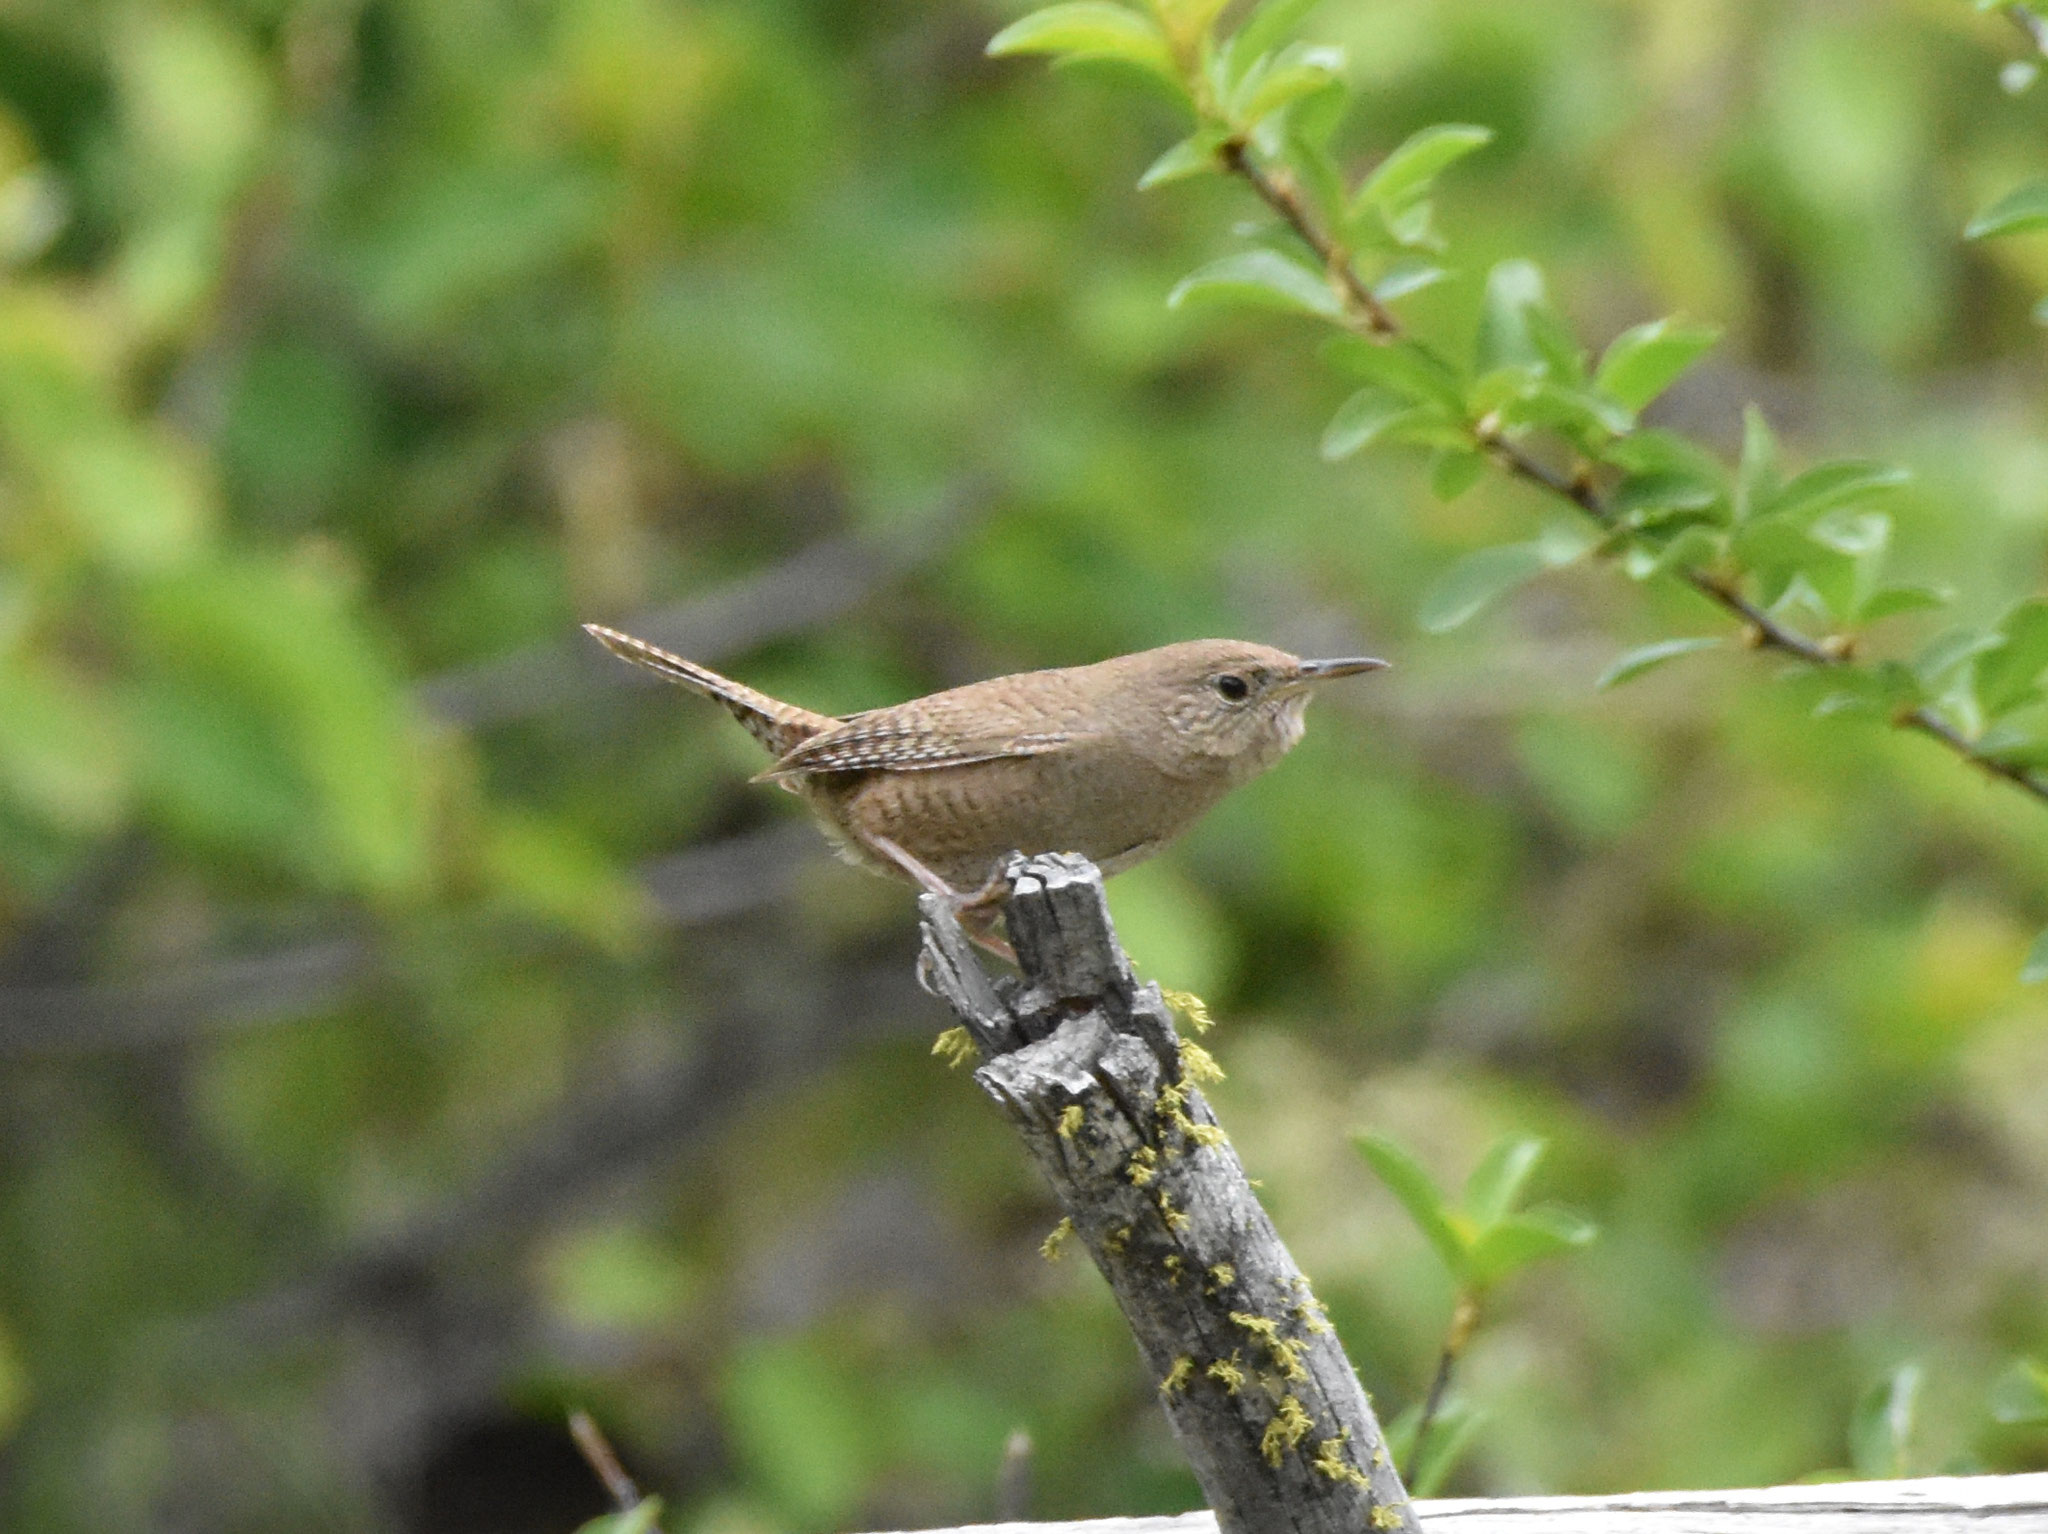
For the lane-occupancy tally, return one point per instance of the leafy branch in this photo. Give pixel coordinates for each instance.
(1480, 1241)
(1797, 561)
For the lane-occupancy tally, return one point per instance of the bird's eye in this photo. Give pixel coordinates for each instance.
(1233, 687)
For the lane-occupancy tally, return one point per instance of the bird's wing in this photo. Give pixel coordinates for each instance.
(904, 741)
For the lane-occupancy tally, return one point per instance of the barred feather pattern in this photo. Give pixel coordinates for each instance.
(779, 726)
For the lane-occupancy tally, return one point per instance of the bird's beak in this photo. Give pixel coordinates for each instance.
(1323, 670)
(1313, 671)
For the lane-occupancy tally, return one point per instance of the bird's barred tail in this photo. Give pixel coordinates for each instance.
(777, 725)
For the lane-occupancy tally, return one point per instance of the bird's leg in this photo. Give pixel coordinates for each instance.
(980, 929)
(974, 910)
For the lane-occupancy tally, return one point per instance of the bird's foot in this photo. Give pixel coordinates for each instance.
(975, 910)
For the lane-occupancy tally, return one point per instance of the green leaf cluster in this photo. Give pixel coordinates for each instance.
(1484, 1237)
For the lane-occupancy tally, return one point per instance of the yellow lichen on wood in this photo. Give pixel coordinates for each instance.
(1386, 1516)
(1289, 1426)
(1054, 1245)
(1311, 1315)
(1286, 1351)
(1259, 1326)
(1287, 1354)
(1223, 1275)
(1114, 1243)
(1178, 1376)
(1176, 1220)
(1207, 1136)
(1070, 1120)
(1330, 1461)
(1144, 1166)
(1227, 1374)
(1198, 1065)
(1189, 1006)
(956, 1047)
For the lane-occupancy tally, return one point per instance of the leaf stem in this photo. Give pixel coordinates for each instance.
(1366, 315)
(1464, 1321)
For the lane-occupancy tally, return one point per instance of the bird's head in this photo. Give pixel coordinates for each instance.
(1240, 702)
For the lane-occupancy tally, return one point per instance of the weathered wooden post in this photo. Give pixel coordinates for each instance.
(1087, 1065)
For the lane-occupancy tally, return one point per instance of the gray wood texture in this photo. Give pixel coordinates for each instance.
(1988, 1504)
(1087, 1066)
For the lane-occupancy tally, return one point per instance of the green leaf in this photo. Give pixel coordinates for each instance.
(1406, 367)
(1363, 419)
(1858, 534)
(1649, 500)
(1582, 416)
(2019, 1396)
(1517, 1240)
(1642, 362)
(1891, 601)
(1296, 71)
(1405, 277)
(546, 870)
(1513, 288)
(1301, 132)
(642, 1519)
(1945, 652)
(1453, 471)
(2013, 747)
(2021, 211)
(1564, 358)
(1420, 1196)
(2007, 677)
(1194, 155)
(1881, 1428)
(1266, 29)
(1689, 548)
(1089, 29)
(1828, 485)
(1406, 174)
(1449, 1436)
(1497, 1181)
(1756, 479)
(1478, 580)
(1264, 278)
(1646, 450)
(281, 650)
(2035, 970)
(63, 759)
(1650, 656)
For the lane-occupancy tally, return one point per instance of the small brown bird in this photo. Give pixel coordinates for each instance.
(1112, 760)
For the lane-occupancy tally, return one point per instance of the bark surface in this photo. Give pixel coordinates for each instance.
(1086, 1063)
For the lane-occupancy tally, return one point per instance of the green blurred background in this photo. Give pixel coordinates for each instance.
(410, 1025)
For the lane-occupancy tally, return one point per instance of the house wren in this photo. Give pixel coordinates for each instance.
(1112, 760)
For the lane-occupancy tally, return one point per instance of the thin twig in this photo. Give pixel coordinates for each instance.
(1367, 316)
(1464, 1321)
(604, 1463)
(1361, 304)
(2029, 21)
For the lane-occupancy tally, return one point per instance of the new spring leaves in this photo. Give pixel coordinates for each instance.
(1484, 1238)
(1798, 560)
(1808, 548)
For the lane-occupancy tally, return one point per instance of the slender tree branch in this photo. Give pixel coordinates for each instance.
(1279, 193)
(1464, 1321)
(1367, 316)
(603, 1460)
(2030, 22)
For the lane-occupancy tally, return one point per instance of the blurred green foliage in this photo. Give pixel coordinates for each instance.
(348, 347)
